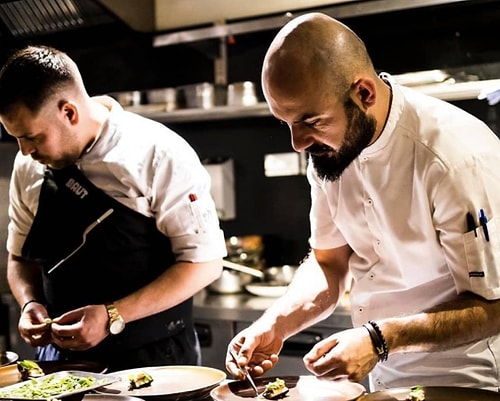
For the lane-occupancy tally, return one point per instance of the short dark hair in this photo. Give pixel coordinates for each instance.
(32, 75)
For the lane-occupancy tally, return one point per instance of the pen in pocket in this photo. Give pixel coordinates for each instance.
(471, 224)
(483, 220)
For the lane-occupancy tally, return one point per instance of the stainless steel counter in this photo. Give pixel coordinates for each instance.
(247, 308)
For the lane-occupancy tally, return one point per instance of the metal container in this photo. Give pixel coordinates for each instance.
(203, 95)
(167, 96)
(230, 282)
(241, 94)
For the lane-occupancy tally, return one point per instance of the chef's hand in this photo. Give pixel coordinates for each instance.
(256, 349)
(346, 354)
(81, 329)
(34, 326)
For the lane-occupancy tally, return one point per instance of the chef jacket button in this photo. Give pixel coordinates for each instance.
(365, 159)
(377, 242)
(360, 309)
(371, 276)
(369, 201)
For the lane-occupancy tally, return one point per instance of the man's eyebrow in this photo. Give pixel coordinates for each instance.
(304, 117)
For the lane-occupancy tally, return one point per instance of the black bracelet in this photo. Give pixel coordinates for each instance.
(378, 340)
(29, 302)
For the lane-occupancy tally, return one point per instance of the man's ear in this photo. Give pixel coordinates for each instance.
(70, 110)
(364, 91)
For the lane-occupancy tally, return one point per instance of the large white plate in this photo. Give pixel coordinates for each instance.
(169, 382)
(266, 290)
(434, 393)
(301, 388)
(12, 392)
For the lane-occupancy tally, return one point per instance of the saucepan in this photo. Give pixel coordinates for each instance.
(235, 277)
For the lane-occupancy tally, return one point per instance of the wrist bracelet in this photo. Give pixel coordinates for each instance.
(28, 302)
(378, 340)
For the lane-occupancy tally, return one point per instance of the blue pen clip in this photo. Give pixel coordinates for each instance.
(483, 220)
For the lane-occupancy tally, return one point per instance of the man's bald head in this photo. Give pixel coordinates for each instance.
(315, 47)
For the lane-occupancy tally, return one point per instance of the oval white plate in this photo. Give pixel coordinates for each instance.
(266, 290)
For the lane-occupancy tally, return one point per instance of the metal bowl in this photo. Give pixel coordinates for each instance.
(8, 358)
(280, 274)
(230, 282)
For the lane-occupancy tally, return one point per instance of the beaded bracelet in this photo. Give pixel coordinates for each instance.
(378, 340)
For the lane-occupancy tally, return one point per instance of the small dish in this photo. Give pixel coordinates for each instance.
(266, 289)
(8, 358)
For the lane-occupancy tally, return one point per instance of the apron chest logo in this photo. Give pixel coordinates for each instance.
(76, 188)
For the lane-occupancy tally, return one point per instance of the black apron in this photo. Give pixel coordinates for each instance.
(122, 253)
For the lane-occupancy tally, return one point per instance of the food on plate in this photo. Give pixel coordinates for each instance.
(416, 394)
(139, 380)
(29, 369)
(275, 389)
(51, 386)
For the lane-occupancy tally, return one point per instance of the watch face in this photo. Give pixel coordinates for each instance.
(117, 326)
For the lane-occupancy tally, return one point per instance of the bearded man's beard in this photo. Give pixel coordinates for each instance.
(359, 133)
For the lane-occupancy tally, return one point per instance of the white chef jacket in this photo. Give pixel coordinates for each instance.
(147, 167)
(401, 206)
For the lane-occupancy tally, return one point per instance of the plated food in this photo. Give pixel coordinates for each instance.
(177, 383)
(11, 375)
(275, 389)
(29, 369)
(56, 385)
(300, 388)
(139, 380)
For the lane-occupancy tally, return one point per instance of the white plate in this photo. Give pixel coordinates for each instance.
(301, 388)
(266, 290)
(169, 382)
(40, 383)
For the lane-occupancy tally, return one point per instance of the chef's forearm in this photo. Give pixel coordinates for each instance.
(466, 320)
(171, 288)
(25, 280)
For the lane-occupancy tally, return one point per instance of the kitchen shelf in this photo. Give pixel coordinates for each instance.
(197, 114)
(446, 91)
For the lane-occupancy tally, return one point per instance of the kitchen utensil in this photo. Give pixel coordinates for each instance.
(10, 374)
(245, 372)
(242, 269)
(8, 357)
(47, 391)
(434, 393)
(170, 383)
(301, 388)
(84, 239)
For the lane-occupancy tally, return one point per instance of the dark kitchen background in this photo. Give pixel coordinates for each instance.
(114, 57)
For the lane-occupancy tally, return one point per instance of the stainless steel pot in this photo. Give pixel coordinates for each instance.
(235, 277)
(230, 282)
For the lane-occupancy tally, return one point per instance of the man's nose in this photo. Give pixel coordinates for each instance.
(300, 139)
(25, 147)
